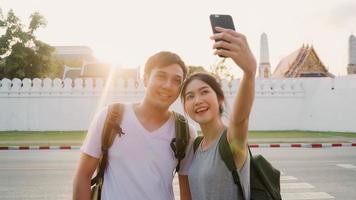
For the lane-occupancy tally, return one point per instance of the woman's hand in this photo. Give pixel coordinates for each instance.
(234, 45)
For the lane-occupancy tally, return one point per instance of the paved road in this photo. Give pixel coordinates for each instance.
(327, 173)
(330, 171)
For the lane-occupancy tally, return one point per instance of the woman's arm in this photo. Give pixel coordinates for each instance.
(236, 47)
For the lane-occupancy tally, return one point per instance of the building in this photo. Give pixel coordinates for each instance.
(264, 68)
(303, 62)
(71, 72)
(74, 52)
(100, 70)
(74, 56)
(351, 67)
(79, 62)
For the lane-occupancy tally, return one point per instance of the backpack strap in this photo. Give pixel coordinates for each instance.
(197, 142)
(111, 129)
(228, 158)
(180, 142)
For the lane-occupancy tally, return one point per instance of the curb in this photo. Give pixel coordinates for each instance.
(303, 145)
(64, 147)
(283, 145)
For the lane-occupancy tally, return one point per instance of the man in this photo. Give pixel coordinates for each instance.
(141, 162)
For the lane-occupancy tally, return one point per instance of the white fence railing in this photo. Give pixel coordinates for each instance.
(320, 104)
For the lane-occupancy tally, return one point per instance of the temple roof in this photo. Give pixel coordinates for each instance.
(304, 62)
(72, 73)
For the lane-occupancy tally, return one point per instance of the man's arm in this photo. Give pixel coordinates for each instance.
(185, 165)
(86, 168)
(184, 187)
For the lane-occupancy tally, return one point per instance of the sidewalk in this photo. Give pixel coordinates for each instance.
(39, 145)
(326, 142)
(250, 140)
(303, 140)
(19, 142)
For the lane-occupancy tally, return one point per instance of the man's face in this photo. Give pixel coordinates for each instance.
(163, 85)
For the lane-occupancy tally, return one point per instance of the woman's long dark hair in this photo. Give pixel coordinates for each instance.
(208, 79)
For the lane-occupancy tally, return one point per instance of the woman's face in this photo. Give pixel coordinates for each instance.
(201, 102)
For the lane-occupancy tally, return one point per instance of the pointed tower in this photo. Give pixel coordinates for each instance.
(351, 68)
(264, 68)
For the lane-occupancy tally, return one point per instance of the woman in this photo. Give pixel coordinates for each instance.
(203, 99)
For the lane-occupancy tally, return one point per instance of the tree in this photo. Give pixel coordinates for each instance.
(221, 71)
(22, 55)
(192, 69)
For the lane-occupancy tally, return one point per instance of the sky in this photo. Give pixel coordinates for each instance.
(128, 32)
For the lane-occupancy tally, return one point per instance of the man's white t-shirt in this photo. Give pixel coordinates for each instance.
(141, 163)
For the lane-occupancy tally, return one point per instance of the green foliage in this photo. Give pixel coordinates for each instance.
(76, 137)
(193, 69)
(22, 55)
(18, 138)
(221, 71)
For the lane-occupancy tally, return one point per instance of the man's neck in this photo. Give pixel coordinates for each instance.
(151, 117)
(148, 109)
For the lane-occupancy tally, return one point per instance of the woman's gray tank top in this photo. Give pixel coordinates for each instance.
(210, 179)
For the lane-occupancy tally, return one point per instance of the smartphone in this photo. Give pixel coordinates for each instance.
(224, 21)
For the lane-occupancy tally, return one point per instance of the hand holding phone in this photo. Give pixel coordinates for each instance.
(231, 43)
(223, 21)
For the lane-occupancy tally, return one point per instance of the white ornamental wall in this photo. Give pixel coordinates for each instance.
(330, 104)
(320, 104)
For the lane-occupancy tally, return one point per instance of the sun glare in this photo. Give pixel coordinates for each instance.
(107, 88)
(107, 56)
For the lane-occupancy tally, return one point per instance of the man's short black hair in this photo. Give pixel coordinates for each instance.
(164, 59)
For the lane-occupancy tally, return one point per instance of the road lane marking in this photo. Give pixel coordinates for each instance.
(283, 178)
(288, 178)
(289, 191)
(347, 166)
(296, 186)
(306, 195)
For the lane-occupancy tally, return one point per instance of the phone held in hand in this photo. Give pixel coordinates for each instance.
(223, 21)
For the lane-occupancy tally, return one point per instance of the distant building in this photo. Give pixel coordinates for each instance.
(264, 69)
(71, 72)
(351, 68)
(304, 62)
(100, 70)
(74, 52)
(103, 70)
